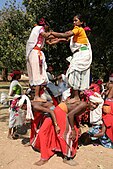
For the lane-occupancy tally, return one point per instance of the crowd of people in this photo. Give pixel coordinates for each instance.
(57, 106)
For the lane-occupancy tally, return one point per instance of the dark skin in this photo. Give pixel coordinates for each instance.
(17, 77)
(77, 110)
(86, 138)
(68, 34)
(50, 40)
(109, 92)
(45, 107)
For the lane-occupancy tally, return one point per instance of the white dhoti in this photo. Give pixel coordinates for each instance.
(79, 80)
(78, 73)
(36, 77)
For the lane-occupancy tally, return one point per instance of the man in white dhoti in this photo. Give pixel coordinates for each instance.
(78, 73)
(36, 63)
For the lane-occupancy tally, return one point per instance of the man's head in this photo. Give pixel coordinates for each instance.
(95, 99)
(78, 20)
(43, 22)
(50, 68)
(22, 103)
(24, 106)
(93, 106)
(16, 74)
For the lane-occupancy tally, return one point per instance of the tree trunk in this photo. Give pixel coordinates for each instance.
(5, 74)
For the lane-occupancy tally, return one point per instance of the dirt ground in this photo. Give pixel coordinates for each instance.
(14, 155)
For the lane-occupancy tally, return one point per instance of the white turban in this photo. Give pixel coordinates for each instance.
(96, 98)
(29, 114)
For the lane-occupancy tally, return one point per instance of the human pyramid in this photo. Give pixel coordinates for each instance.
(57, 106)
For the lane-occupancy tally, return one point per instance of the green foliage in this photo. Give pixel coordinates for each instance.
(13, 37)
(16, 24)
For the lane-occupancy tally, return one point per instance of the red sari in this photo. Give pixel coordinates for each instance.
(47, 141)
(108, 119)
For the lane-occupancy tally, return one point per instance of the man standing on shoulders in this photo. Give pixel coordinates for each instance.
(36, 63)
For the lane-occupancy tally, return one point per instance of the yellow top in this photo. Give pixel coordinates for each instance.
(79, 35)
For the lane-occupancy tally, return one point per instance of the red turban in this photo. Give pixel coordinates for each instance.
(15, 72)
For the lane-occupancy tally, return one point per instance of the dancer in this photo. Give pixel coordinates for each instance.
(36, 63)
(14, 93)
(45, 139)
(78, 72)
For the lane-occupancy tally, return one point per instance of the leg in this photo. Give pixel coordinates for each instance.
(69, 161)
(10, 133)
(15, 134)
(41, 162)
(37, 94)
(74, 81)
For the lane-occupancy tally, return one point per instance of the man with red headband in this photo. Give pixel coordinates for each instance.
(36, 63)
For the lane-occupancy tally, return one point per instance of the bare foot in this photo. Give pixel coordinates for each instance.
(10, 137)
(41, 162)
(70, 162)
(27, 144)
(39, 99)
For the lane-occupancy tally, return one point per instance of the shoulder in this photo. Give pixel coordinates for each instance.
(37, 28)
(77, 29)
(14, 82)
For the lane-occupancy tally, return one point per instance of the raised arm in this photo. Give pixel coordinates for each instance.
(63, 35)
(45, 34)
(56, 40)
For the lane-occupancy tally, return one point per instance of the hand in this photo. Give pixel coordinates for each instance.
(57, 129)
(73, 134)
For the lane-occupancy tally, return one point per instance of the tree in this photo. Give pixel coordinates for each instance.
(16, 24)
(98, 15)
(14, 33)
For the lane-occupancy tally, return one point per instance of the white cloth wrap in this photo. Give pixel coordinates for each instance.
(29, 114)
(96, 114)
(81, 60)
(78, 73)
(32, 41)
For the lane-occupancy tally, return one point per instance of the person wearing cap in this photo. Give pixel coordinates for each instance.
(104, 133)
(15, 86)
(94, 103)
(15, 92)
(47, 141)
(78, 73)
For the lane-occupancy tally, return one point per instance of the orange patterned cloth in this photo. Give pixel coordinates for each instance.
(63, 106)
